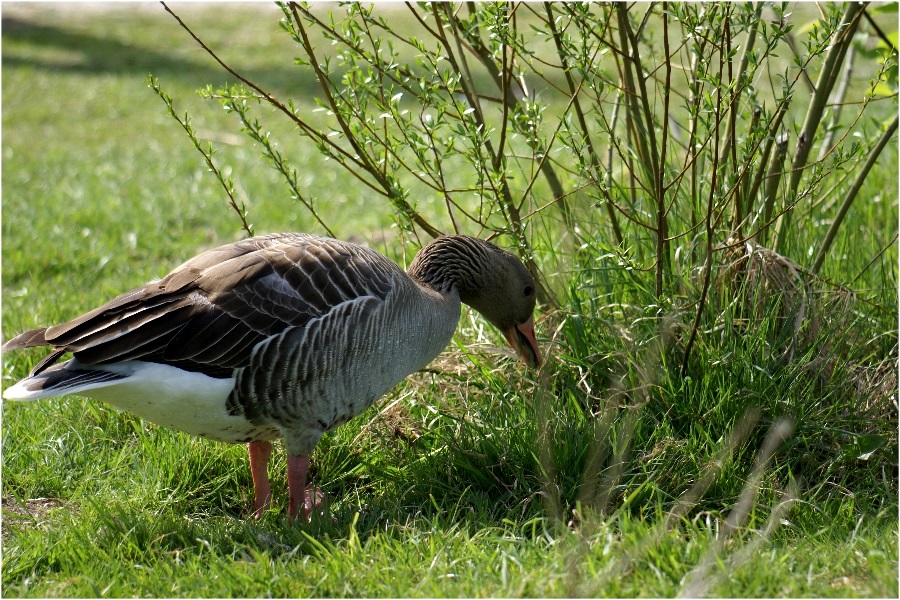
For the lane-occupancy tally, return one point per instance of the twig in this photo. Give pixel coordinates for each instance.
(881, 34)
(875, 258)
(289, 174)
(662, 226)
(579, 113)
(274, 102)
(840, 40)
(851, 195)
(707, 267)
(227, 183)
(387, 188)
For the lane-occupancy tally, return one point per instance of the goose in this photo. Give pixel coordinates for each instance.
(279, 336)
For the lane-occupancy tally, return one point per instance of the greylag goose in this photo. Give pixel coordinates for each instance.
(284, 335)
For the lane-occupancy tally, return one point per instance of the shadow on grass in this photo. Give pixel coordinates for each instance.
(90, 54)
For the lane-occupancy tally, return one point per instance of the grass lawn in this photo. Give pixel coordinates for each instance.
(476, 478)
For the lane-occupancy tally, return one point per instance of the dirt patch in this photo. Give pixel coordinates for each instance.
(17, 515)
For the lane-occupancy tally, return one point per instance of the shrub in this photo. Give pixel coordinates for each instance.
(683, 179)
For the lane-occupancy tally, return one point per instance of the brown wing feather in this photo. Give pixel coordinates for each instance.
(210, 312)
(29, 339)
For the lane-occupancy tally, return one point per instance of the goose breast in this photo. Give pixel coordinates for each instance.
(312, 378)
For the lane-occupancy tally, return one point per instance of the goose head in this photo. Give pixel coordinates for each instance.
(489, 279)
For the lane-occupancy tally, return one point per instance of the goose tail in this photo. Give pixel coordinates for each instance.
(60, 380)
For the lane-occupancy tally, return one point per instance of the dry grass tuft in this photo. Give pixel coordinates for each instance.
(759, 275)
(876, 388)
(810, 311)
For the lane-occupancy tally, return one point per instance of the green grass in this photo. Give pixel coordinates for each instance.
(468, 482)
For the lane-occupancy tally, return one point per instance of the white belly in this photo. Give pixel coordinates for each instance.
(188, 401)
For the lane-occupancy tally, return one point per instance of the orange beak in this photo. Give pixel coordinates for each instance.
(522, 339)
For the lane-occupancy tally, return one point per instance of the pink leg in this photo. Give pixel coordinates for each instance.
(259, 460)
(300, 494)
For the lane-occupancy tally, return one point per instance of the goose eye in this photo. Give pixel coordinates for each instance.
(528, 290)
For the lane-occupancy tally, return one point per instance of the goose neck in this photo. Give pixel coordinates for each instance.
(451, 263)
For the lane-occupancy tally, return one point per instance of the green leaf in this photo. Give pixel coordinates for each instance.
(864, 446)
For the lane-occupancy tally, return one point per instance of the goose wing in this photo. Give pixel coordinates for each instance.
(208, 314)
